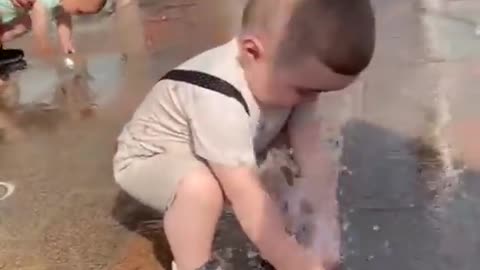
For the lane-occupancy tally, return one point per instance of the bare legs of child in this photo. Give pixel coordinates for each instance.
(200, 199)
(183, 188)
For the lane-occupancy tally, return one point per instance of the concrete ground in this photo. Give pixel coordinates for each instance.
(408, 199)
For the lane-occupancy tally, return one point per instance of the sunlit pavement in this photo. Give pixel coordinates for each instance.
(409, 201)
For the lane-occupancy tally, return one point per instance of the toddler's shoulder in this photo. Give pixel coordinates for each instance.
(219, 61)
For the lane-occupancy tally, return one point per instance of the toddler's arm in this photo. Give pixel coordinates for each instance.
(315, 136)
(261, 219)
(64, 28)
(221, 134)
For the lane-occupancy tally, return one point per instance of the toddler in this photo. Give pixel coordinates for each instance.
(194, 141)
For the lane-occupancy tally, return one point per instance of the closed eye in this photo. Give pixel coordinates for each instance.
(306, 90)
(303, 90)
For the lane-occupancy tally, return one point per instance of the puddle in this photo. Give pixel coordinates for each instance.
(39, 82)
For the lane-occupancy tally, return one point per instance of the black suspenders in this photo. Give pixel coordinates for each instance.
(207, 81)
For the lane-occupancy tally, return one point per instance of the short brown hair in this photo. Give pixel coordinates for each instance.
(341, 33)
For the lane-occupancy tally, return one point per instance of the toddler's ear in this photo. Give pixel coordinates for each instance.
(251, 48)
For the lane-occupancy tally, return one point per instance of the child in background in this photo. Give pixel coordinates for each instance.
(17, 21)
(13, 57)
(193, 143)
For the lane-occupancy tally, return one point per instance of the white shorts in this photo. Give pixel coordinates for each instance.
(154, 181)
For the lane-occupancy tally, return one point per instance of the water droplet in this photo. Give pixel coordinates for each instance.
(477, 30)
(376, 228)
(345, 226)
(346, 170)
(370, 258)
(252, 254)
(69, 63)
(228, 253)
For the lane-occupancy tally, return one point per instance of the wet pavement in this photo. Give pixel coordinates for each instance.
(410, 194)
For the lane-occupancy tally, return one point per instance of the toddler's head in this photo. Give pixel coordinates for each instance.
(82, 7)
(291, 50)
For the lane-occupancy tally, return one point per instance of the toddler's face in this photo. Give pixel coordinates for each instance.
(285, 85)
(298, 83)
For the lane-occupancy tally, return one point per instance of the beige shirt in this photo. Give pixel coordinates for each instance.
(213, 126)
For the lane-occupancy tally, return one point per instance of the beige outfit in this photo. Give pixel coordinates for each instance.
(179, 124)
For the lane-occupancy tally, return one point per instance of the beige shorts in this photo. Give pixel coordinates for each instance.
(154, 181)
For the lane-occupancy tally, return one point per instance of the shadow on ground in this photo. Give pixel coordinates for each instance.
(390, 216)
(144, 221)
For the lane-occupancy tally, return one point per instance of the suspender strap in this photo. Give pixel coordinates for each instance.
(207, 81)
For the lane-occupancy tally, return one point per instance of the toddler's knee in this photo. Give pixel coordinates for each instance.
(203, 188)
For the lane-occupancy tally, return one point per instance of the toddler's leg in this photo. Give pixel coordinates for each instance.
(191, 220)
(182, 187)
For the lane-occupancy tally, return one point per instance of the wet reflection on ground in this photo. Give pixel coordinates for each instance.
(58, 130)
